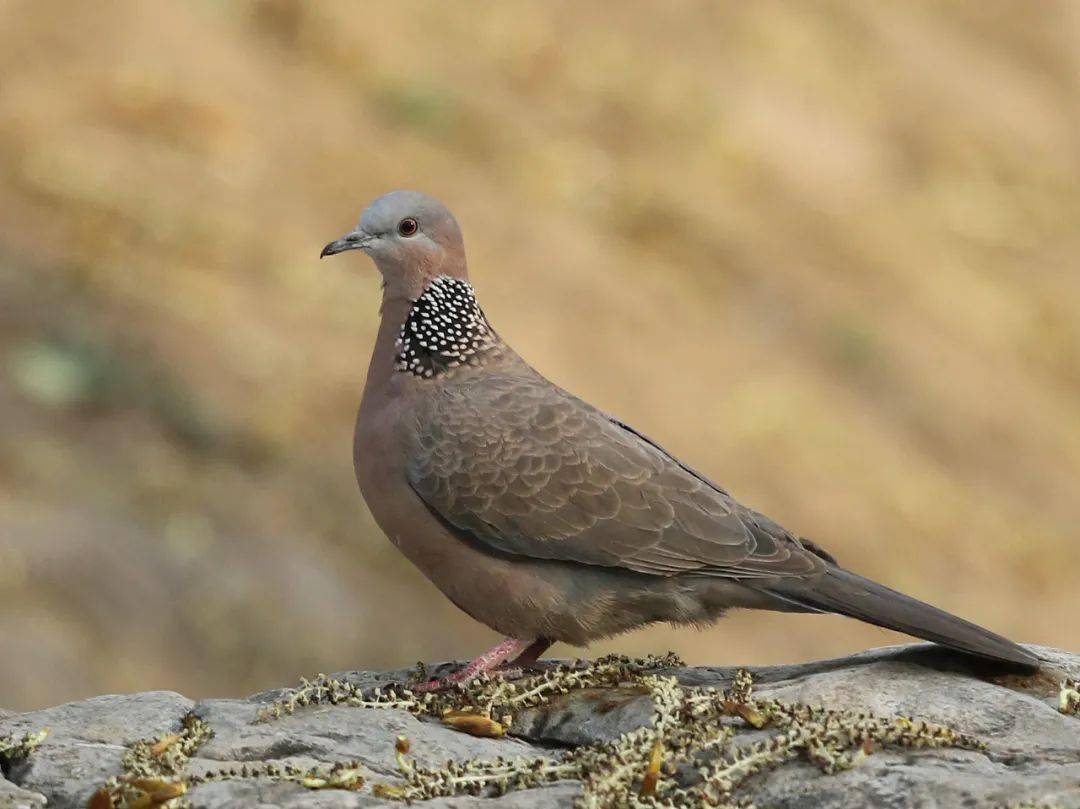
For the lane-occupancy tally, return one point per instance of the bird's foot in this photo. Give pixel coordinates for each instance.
(519, 653)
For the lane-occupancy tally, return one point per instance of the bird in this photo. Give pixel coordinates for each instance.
(540, 515)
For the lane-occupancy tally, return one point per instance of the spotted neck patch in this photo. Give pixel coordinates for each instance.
(445, 329)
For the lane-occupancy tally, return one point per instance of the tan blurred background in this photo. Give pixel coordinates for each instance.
(827, 253)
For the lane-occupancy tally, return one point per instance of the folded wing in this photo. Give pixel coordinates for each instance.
(528, 469)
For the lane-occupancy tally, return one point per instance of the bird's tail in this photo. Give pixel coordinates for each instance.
(847, 593)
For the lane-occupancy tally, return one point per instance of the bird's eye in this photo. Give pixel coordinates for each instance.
(408, 227)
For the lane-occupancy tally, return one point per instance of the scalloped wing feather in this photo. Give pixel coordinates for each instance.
(531, 470)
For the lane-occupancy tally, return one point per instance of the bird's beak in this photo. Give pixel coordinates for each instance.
(356, 240)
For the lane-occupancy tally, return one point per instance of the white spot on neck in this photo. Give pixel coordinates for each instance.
(445, 328)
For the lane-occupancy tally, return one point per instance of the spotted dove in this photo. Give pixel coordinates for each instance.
(543, 517)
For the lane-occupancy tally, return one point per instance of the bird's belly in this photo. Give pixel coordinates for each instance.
(528, 599)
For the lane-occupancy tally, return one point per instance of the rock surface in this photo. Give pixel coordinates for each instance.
(1033, 751)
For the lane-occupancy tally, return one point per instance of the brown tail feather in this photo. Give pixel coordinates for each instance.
(846, 593)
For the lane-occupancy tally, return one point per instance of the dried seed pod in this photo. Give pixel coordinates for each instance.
(102, 799)
(652, 771)
(164, 743)
(474, 724)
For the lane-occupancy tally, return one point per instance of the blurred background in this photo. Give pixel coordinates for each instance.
(829, 254)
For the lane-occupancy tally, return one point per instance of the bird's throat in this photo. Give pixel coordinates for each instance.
(444, 329)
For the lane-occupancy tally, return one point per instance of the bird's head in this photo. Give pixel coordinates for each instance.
(411, 237)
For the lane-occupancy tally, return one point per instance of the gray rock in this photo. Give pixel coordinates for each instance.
(13, 797)
(330, 734)
(87, 740)
(1033, 753)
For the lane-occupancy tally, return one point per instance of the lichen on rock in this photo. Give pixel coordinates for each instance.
(902, 726)
(689, 727)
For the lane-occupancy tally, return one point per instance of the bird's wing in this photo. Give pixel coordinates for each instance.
(528, 469)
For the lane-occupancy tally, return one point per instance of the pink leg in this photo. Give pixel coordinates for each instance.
(529, 660)
(489, 660)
